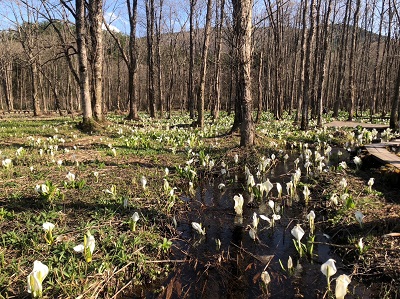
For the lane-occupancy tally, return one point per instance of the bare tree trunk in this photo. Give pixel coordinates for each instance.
(150, 57)
(260, 87)
(34, 84)
(96, 21)
(87, 122)
(159, 68)
(341, 60)
(351, 92)
(8, 85)
(395, 113)
(242, 12)
(375, 87)
(218, 40)
(132, 62)
(306, 65)
(300, 85)
(191, 60)
(322, 85)
(203, 72)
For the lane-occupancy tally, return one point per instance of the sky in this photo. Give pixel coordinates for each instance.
(175, 13)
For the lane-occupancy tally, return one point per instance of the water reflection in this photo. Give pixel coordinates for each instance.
(233, 269)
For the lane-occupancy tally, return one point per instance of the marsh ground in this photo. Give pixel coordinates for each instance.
(142, 262)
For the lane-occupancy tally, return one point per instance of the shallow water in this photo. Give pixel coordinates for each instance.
(233, 269)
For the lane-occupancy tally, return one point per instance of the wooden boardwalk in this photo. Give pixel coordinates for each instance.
(380, 152)
(377, 150)
(354, 124)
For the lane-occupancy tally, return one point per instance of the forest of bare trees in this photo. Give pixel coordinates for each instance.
(298, 56)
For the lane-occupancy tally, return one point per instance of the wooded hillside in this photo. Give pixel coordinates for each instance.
(307, 56)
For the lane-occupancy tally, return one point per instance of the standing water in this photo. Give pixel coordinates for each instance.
(229, 261)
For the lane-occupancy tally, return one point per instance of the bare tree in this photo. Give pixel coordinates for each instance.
(219, 17)
(96, 34)
(8, 49)
(150, 57)
(242, 16)
(81, 33)
(28, 32)
(306, 63)
(191, 59)
(129, 56)
(203, 72)
(395, 111)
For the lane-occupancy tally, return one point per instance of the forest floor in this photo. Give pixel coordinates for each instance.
(108, 187)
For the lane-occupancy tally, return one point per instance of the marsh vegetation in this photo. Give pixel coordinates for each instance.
(147, 209)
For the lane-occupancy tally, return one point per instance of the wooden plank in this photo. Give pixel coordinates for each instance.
(379, 151)
(353, 124)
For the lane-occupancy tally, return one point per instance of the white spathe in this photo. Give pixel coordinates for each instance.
(342, 283)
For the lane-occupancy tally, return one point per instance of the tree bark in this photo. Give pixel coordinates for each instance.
(132, 62)
(351, 91)
(96, 21)
(87, 122)
(341, 60)
(191, 60)
(150, 57)
(242, 16)
(306, 65)
(203, 72)
(218, 41)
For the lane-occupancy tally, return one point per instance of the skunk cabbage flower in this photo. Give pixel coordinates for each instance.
(290, 264)
(238, 204)
(48, 228)
(256, 220)
(334, 199)
(370, 183)
(42, 189)
(290, 189)
(297, 232)
(306, 193)
(271, 204)
(250, 181)
(96, 175)
(343, 183)
(198, 228)
(134, 219)
(274, 218)
(87, 247)
(252, 234)
(143, 181)
(311, 217)
(36, 277)
(265, 277)
(329, 269)
(342, 283)
(6, 163)
(70, 177)
(357, 161)
(360, 245)
(279, 188)
(267, 187)
(359, 217)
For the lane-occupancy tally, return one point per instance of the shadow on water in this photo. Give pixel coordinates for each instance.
(233, 269)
